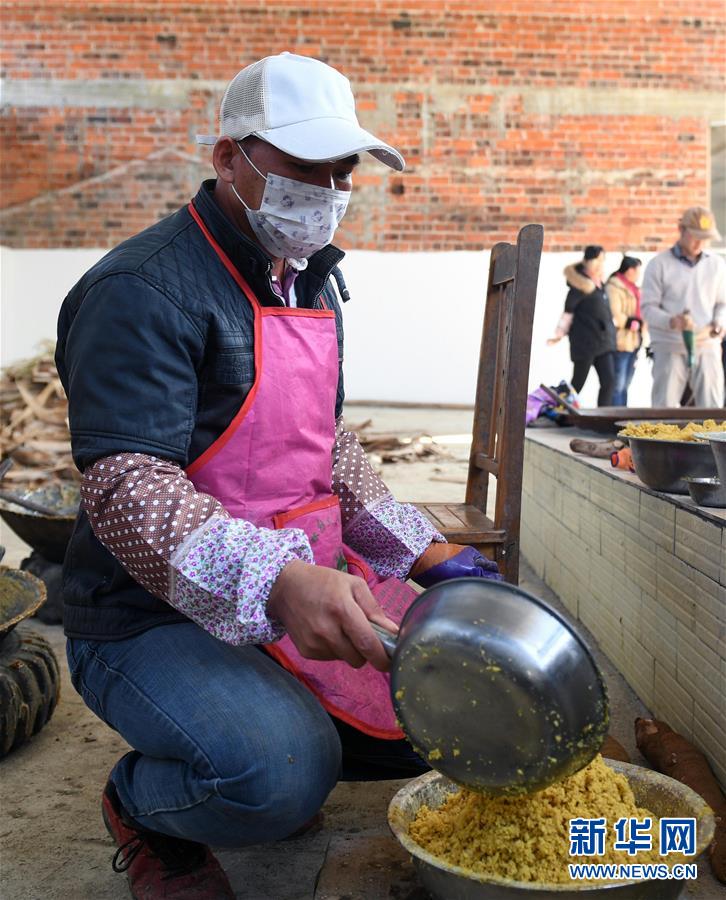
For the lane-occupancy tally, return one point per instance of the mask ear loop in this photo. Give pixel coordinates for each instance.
(242, 151)
(234, 191)
(263, 177)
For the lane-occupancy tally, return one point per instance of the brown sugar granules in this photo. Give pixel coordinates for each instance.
(528, 838)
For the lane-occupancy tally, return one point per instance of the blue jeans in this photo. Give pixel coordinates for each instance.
(624, 371)
(229, 748)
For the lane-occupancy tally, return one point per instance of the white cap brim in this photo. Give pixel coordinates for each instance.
(325, 140)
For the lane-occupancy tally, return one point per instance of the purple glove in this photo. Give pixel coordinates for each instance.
(468, 563)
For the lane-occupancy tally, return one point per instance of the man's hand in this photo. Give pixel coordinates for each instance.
(327, 613)
(436, 553)
(678, 323)
(716, 330)
(441, 562)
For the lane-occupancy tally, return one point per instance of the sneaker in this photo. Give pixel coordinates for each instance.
(160, 867)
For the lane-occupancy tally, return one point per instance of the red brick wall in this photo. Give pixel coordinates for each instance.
(472, 93)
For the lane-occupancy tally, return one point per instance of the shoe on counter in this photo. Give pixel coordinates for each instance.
(160, 867)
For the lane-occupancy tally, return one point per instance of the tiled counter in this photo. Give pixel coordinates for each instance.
(645, 572)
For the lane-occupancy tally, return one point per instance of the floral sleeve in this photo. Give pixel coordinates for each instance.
(183, 546)
(389, 535)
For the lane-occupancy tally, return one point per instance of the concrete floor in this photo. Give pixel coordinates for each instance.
(54, 845)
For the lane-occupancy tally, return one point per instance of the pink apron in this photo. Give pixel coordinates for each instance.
(273, 467)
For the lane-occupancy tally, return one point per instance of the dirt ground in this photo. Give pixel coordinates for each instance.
(54, 845)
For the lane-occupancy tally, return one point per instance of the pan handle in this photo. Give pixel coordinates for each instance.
(560, 401)
(387, 639)
(28, 504)
(5, 465)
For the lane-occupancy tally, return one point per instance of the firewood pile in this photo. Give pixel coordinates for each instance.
(34, 428)
(34, 423)
(383, 447)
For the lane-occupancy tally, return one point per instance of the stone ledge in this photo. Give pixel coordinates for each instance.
(644, 571)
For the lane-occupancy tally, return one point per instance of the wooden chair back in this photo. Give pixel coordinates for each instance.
(497, 447)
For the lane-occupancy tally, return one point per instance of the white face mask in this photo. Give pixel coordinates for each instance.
(294, 219)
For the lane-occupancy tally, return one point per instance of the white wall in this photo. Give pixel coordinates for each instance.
(33, 284)
(413, 325)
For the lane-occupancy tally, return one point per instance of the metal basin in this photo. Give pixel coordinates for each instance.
(717, 444)
(661, 795)
(21, 595)
(663, 465)
(49, 535)
(707, 492)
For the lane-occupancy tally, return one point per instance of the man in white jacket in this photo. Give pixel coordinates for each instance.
(685, 286)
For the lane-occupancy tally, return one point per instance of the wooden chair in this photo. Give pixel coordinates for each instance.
(501, 397)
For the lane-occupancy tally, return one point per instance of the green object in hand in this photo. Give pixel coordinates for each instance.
(690, 342)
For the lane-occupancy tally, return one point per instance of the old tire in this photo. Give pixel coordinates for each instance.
(29, 687)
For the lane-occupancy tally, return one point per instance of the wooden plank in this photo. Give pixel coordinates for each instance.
(486, 463)
(505, 265)
(499, 410)
(603, 418)
(463, 524)
(513, 382)
(471, 516)
(474, 537)
(444, 516)
(618, 413)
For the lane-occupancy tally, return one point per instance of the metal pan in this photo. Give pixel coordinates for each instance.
(663, 465)
(707, 492)
(494, 688)
(21, 596)
(717, 443)
(49, 531)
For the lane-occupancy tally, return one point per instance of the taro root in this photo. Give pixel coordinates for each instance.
(670, 753)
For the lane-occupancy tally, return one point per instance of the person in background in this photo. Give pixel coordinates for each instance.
(683, 286)
(624, 295)
(588, 322)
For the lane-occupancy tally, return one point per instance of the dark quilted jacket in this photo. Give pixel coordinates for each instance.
(155, 351)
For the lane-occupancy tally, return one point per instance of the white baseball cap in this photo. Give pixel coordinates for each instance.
(301, 106)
